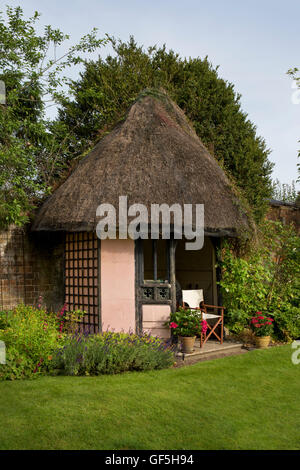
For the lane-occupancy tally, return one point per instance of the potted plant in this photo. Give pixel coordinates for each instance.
(187, 324)
(262, 327)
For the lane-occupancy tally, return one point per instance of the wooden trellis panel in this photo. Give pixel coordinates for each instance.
(81, 277)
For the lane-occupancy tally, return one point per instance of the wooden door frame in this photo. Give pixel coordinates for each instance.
(153, 292)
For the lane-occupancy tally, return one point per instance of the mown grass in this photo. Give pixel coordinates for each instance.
(241, 402)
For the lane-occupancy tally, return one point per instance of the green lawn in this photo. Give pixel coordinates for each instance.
(249, 401)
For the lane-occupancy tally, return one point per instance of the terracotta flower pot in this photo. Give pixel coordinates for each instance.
(262, 342)
(187, 344)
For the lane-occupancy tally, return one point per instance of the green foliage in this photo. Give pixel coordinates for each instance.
(111, 353)
(186, 322)
(31, 155)
(71, 321)
(266, 279)
(31, 336)
(108, 86)
(18, 366)
(288, 321)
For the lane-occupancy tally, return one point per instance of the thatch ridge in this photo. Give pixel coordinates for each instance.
(152, 156)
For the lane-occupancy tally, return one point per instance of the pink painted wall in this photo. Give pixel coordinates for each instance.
(154, 317)
(117, 285)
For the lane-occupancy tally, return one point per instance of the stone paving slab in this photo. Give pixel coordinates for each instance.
(210, 350)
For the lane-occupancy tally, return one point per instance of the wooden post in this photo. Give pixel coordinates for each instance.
(217, 242)
(173, 274)
(139, 279)
(154, 257)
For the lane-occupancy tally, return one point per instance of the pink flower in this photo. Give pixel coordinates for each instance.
(204, 326)
(39, 365)
(64, 308)
(173, 325)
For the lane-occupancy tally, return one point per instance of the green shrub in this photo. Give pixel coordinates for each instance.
(111, 353)
(266, 279)
(287, 323)
(18, 365)
(31, 335)
(3, 320)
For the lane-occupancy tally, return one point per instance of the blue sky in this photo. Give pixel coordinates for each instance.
(253, 42)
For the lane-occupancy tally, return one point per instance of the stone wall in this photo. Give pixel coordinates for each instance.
(285, 212)
(31, 265)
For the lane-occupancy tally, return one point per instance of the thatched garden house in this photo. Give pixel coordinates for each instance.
(153, 156)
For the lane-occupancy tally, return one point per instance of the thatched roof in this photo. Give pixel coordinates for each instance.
(153, 156)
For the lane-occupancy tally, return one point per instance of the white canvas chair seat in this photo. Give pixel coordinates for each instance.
(208, 316)
(193, 298)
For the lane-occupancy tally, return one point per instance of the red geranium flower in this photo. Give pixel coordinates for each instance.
(173, 325)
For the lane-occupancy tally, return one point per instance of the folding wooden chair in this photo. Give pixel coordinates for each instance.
(195, 301)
